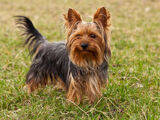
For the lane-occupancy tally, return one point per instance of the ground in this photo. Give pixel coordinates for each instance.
(133, 92)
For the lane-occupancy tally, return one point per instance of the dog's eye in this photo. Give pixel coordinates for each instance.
(92, 35)
(78, 35)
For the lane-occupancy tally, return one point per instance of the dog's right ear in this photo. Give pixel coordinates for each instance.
(102, 16)
(71, 18)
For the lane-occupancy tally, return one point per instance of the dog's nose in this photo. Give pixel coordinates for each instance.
(84, 45)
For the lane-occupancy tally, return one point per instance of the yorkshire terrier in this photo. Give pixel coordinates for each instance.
(79, 65)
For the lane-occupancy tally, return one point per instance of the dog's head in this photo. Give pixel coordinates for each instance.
(88, 42)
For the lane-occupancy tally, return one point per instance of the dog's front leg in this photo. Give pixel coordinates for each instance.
(74, 93)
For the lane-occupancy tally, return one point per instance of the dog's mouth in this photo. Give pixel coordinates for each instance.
(87, 51)
(90, 56)
(86, 56)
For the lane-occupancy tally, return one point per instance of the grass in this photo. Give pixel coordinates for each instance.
(134, 89)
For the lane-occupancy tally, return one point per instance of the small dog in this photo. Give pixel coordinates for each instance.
(80, 65)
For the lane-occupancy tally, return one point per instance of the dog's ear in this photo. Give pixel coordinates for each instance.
(71, 18)
(102, 16)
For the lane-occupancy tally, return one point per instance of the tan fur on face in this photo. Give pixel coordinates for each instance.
(94, 54)
(79, 32)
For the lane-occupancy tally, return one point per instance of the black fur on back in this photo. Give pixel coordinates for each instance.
(50, 61)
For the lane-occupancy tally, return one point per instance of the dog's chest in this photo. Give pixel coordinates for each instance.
(86, 77)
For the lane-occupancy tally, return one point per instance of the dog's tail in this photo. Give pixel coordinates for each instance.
(34, 39)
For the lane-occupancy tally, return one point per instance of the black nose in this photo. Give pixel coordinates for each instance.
(84, 45)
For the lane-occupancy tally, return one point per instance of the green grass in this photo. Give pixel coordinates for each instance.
(133, 92)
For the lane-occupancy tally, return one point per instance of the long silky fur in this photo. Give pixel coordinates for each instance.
(51, 62)
(51, 59)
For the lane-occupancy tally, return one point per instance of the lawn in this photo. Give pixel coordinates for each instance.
(133, 92)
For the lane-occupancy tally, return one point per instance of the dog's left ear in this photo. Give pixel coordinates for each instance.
(102, 16)
(72, 17)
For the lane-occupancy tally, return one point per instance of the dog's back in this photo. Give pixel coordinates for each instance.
(50, 60)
